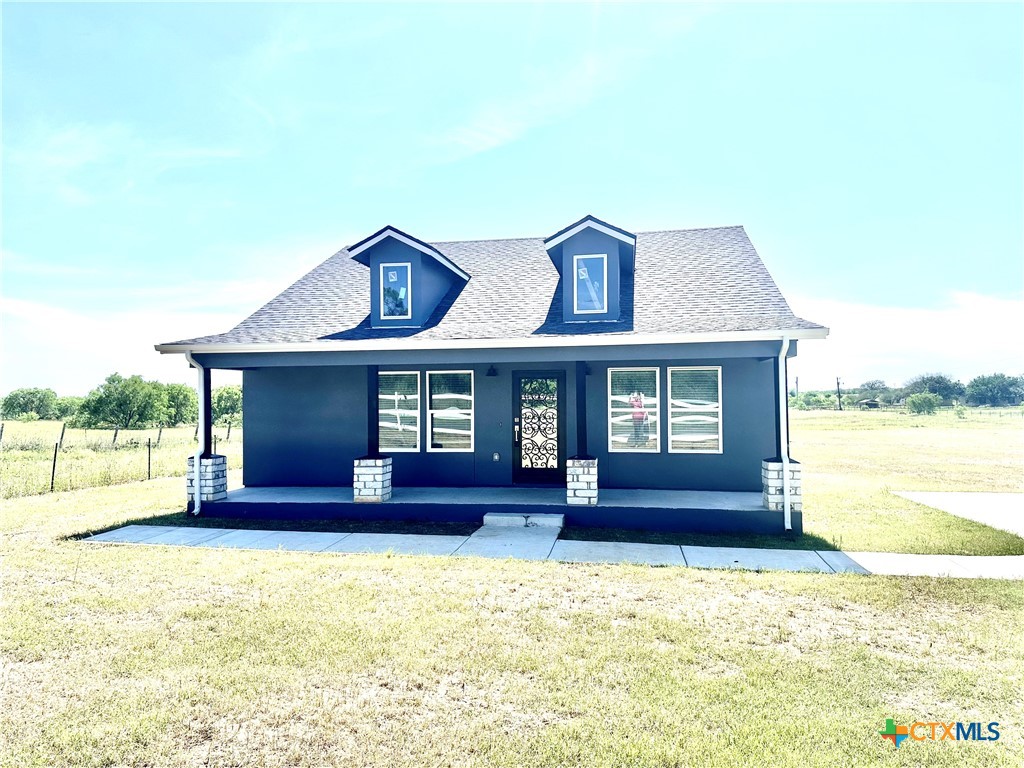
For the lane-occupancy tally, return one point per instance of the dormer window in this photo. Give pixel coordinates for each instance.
(595, 264)
(395, 291)
(591, 283)
(400, 265)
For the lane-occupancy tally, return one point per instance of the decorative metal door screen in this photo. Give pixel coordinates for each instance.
(539, 428)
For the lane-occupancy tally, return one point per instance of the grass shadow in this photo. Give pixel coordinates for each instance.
(183, 519)
(572, 533)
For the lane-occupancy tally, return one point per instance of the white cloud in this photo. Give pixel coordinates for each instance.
(972, 334)
(72, 352)
(84, 163)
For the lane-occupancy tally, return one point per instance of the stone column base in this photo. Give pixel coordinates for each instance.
(772, 490)
(371, 480)
(213, 478)
(581, 481)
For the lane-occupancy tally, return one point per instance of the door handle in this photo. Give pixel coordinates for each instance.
(515, 432)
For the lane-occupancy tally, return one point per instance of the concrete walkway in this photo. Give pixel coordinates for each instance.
(542, 543)
(999, 510)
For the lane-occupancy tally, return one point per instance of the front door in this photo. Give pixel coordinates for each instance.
(538, 428)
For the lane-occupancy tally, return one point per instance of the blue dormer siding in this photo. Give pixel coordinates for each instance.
(408, 278)
(429, 282)
(595, 261)
(590, 242)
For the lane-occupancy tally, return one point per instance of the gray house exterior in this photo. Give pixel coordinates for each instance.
(596, 361)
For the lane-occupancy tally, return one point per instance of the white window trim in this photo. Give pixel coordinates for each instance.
(408, 266)
(657, 396)
(472, 415)
(575, 284)
(721, 411)
(419, 411)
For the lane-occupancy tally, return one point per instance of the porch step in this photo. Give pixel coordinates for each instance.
(514, 520)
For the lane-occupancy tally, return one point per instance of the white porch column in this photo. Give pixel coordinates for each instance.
(213, 478)
(581, 481)
(371, 480)
(773, 482)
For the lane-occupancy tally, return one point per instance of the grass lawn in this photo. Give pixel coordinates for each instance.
(851, 461)
(133, 655)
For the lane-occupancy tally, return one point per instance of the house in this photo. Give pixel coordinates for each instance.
(629, 380)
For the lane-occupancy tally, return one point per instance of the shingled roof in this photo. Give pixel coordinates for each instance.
(686, 282)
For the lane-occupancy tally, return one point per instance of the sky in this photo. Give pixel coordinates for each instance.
(167, 169)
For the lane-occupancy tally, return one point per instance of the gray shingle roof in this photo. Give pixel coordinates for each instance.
(690, 281)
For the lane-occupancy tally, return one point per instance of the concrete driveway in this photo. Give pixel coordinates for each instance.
(998, 510)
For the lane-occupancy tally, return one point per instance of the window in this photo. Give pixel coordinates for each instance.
(633, 408)
(398, 409)
(395, 292)
(590, 292)
(695, 410)
(450, 410)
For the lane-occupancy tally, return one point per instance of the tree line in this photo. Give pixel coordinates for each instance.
(126, 403)
(922, 393)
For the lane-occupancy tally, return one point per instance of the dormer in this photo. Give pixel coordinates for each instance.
(594, 259)
(408, 278)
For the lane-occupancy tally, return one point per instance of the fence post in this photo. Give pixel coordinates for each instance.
(53, 472)
(228, 438)
(149, 458)
(159, 435)
(1, 433)
(116, 430)
(215, 444)
(63, 427)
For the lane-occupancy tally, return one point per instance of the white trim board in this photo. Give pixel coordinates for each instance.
(589, 224)
(432, 253)
(549, 342)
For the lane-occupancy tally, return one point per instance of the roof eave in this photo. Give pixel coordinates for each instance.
(402, 344)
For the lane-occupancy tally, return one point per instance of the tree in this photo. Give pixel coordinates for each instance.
(67, 407)
(22, 402)
(937, 384)
(923, 402)
(227, 403)
(873, 386)
(126, 403)
(182, 404)
(997, 389)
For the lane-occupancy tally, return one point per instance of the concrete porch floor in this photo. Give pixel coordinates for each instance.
(609, 497)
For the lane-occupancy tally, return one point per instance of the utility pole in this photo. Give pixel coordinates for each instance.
(796, 386)
(839, 394)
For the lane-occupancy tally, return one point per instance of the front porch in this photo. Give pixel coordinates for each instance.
(648, 509)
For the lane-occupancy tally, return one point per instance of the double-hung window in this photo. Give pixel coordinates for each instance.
(633, 410)
(395, 291)
(398, 410)
(590, 284)
(695, 410)
(450, 411)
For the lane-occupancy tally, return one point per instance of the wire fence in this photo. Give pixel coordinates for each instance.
(43, 457)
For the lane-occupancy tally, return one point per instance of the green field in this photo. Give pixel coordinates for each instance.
(90, 457)
(138, 655)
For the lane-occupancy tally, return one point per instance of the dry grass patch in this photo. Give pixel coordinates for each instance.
(134, 655)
